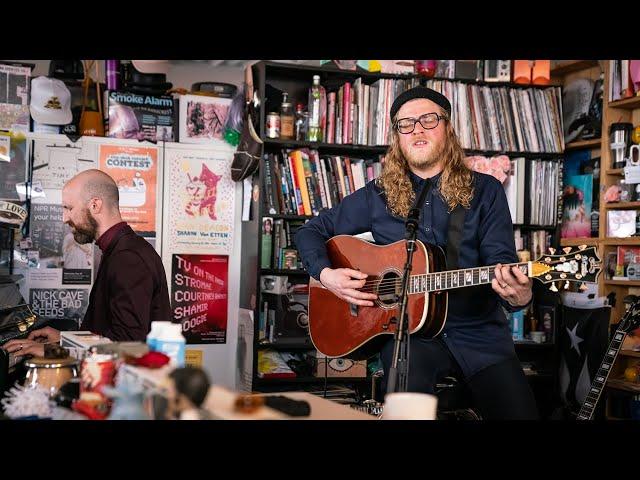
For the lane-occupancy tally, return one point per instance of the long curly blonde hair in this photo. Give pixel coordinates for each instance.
(455, 183)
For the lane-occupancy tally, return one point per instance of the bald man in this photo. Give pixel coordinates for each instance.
(130, 290)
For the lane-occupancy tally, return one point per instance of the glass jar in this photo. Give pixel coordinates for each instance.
(286, 118)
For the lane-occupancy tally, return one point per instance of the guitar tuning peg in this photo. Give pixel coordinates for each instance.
(566, 249)
(552, 250)
(553, 287)
(566, 285)
(582, 247)
(582, 287)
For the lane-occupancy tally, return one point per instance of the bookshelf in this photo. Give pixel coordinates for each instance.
(295, 80)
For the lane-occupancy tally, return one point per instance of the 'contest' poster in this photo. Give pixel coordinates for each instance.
(200, 201)
(199, 291)
(135, 171)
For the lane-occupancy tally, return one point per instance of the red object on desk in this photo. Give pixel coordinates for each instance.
(153, 360)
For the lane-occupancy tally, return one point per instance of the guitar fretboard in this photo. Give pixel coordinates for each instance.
(591, 400)
(467, 277)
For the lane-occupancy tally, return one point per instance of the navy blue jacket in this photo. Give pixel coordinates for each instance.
(476, 332)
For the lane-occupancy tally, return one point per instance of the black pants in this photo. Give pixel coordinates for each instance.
(499, 392)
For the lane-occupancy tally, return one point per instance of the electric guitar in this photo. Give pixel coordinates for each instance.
(630, 321)
(338, 328)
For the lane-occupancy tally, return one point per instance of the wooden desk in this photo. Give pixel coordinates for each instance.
(220, 402)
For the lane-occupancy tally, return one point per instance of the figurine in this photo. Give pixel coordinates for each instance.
(187, 390)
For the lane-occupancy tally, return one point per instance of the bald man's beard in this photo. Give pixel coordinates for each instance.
(86, 231)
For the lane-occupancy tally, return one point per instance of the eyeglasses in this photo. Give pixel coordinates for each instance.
(428, 121)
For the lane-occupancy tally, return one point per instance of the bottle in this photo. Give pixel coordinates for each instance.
(152, 337)
(286, 118)
(317, 111)
(171, 342)
(301, 122)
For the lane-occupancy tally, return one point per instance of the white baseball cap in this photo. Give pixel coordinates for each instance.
(50, 101)
(151, 66)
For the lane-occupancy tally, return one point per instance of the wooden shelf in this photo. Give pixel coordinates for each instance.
(269, 381)
(572, 66)
(278, 216)
(526, 226)
(625, 283)
(621, 241)
(276, 346)
(621, 205)
(623, 385)
(380, 149)
(275, 271)
(531, 343)
(575, 242)
(630, 353)
(342, 147)
(583, 144)
(615, 171)
(627, 104)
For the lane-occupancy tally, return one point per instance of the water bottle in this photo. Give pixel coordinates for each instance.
(172, 343)
(317, 111)
(152, 337)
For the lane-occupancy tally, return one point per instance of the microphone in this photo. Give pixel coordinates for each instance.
(411, 223)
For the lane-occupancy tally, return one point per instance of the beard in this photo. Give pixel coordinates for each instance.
(422, 160)
(85, 232)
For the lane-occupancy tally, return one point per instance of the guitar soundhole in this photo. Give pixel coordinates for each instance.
(389, 288)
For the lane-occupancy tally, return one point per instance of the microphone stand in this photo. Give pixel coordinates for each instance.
(399, 370)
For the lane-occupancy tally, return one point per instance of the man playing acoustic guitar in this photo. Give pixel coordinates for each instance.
(475, 343)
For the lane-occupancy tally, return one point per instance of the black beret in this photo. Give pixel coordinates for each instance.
(420, 92)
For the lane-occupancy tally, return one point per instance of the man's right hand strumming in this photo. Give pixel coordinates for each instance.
(345, 282)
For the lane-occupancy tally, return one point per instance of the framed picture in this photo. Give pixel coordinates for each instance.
(202, 118)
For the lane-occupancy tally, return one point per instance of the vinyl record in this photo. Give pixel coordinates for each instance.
(575, 104)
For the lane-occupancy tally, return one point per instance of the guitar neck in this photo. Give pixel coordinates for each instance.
(591, 400)
(450, 279)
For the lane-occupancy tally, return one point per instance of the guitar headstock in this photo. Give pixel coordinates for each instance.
(580, 265)
(631, 319)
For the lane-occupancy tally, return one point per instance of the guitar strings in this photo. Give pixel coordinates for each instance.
(386, 286)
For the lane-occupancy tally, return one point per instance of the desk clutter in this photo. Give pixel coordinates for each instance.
(128, 381)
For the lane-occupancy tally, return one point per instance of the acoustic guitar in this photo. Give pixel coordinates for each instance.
(338, 328)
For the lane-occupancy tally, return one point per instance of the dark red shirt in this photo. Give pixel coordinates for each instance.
(107, 237)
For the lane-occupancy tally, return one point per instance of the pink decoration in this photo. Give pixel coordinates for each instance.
(498, 166)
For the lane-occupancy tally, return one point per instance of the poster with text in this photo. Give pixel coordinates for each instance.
(56, 248)
(135, 171)
(199, 291)
(58, 303)
(56, 163)
(200, 201)
(13, 145)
